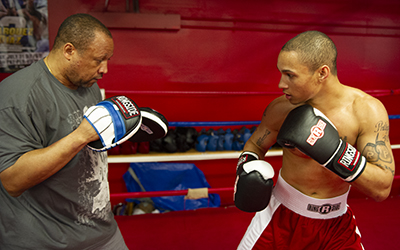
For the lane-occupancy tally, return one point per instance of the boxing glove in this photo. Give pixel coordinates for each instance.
(169, 142)
(191, 136)
(238, 143)
(115, 120)
(144, 147)
(212, 140)
(181, 139)
(253, 187)
(186, 138)
(309, 130)
(156, 145)
(228, 140)
(221, 139)
(246, 135)
(202, 141)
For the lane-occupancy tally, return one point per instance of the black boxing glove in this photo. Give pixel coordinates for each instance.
(169, 142)
(253, 187)
(309, 130)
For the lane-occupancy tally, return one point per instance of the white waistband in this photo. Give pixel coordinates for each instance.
(308, 206)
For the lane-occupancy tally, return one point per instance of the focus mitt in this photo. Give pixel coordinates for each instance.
(154, 126)
(115, 120)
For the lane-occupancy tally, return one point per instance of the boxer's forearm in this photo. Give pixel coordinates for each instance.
(250, 146)
(261, 141)
(376, 181)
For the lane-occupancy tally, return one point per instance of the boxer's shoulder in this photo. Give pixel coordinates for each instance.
(359, 98)
(278, 109)
(366, 108)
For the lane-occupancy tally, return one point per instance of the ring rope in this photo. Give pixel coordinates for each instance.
(232, 123)
(374, 92)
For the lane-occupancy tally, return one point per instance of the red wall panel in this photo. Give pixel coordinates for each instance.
(220, 65)
(202, 70)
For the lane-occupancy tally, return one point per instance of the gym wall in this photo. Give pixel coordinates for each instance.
(215, 60)
(199, 60)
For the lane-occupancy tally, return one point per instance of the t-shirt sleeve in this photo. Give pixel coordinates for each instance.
(18, 135)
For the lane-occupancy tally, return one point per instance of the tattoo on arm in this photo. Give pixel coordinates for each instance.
(378, 151)
(386, 167)
(381, 126)
(261, 140)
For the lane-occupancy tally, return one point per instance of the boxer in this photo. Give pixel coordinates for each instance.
(333, 136)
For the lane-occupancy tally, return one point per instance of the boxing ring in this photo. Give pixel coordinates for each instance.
(223, 227)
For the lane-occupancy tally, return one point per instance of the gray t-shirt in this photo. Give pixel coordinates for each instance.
(71, 209)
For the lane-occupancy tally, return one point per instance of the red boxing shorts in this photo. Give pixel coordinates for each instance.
(295, 221)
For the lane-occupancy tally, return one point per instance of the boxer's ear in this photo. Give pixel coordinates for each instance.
(323, 72)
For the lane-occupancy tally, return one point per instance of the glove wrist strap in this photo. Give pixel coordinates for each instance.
(243, 158)
(348, 163)
(243, 154)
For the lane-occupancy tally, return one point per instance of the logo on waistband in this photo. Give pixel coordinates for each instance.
(323, 209)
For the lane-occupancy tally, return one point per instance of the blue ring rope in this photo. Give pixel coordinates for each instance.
(206, 124)
(394, 116)
(231, 123)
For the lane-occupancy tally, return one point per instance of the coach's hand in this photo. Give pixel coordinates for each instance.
(115, 120)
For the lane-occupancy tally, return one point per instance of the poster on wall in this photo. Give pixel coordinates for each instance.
(24, 35)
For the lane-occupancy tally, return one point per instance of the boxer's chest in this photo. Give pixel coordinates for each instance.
(346, 124)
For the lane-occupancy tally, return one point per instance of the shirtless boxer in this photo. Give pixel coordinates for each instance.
(308, 205)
